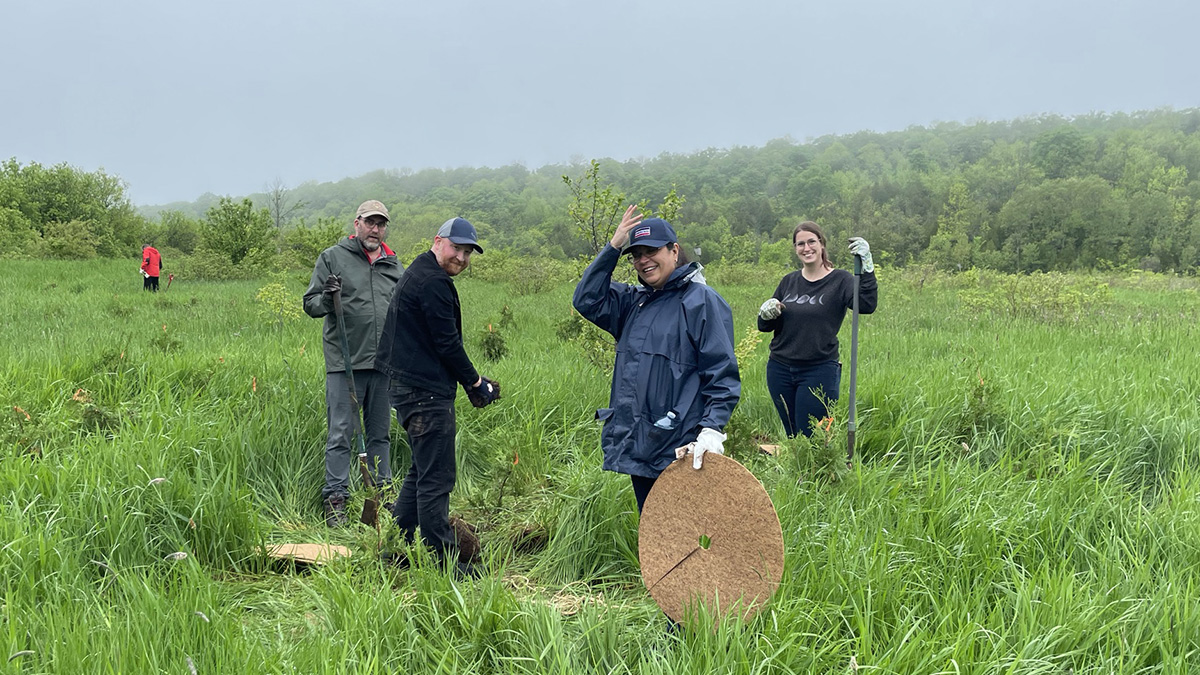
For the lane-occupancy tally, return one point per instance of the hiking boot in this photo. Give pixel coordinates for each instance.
(465, 571)
(335, 511)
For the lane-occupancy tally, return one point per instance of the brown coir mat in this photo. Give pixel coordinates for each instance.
(710, 536)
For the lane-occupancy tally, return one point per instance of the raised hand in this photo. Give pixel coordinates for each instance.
(860, 248)
(631, 219)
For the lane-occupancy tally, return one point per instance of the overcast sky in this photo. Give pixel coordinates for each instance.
(187, 97)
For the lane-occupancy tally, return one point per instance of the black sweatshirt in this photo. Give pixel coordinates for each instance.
(422, 344)
(806, 331)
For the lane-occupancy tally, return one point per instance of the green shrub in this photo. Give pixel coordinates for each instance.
(1039, 296)
(524, 275)
(492, 343)
(18, 239)
(69, 241)
(165, 342)
(597, 346)
(235, 230)
(302, 244)
(276, 304)
(208, 265)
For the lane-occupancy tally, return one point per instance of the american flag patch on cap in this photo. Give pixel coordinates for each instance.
(643, 232)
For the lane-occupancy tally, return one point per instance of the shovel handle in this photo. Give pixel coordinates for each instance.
(852, 422)
(365, 470)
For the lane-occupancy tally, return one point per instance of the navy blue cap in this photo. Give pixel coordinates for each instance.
(460, 231)
(652, 232)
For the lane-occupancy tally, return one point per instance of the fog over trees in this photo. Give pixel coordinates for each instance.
(1044, 193)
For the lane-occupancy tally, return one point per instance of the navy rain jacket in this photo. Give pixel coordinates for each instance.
(674, 353)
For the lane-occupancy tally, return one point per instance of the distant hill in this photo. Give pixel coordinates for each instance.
(1037, 193)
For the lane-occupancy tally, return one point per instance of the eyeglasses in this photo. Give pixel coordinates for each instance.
(374, 224)
(810, 242)
(643, 252)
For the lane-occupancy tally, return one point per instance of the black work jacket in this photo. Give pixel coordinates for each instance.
(422, 344)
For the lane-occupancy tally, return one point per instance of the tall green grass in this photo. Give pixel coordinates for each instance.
(1027, 498)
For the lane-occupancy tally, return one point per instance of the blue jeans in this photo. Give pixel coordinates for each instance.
(341, 455)
(792, 391)
(424, 498)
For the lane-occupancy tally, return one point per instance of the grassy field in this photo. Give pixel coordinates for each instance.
(1027, 500)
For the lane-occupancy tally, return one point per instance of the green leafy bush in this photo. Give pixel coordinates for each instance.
(235, 229)
(1039, 296)
(276, 304)
(492, 343)
(18, 239)
(208, 265)
(69, 241)
(302, 244)
(597, 346)
(524, 275)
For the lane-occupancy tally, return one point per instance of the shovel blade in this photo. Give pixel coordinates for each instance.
(370, 512)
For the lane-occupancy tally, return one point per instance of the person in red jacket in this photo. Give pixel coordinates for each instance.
(151, 267)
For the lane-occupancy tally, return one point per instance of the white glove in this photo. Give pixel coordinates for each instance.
(860, 248)
(709, 440)
(144, 273)
(771, 309)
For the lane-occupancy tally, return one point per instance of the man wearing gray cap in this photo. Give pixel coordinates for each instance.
(364, 271)
(422, 351)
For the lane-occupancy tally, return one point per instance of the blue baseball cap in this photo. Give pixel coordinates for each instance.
(652, 232)
(460, 231)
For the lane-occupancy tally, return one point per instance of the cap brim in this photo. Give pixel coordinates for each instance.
(460, 241)
(375, 213)
(648, 243)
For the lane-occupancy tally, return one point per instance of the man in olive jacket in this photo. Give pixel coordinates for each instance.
(365, 271)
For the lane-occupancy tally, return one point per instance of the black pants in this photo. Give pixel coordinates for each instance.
(424, 498)
(150, 284)
(641, 489)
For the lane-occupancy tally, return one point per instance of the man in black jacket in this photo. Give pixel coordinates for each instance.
(421, 350)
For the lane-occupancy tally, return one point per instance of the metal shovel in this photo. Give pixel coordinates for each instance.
(851, 425)
(370, 512)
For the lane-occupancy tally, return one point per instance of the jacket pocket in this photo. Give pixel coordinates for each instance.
(658, 440)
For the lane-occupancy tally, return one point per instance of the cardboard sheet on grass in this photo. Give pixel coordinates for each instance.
(307, 554)
(710, 536)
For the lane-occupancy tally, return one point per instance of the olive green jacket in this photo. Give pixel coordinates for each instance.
(366, 292)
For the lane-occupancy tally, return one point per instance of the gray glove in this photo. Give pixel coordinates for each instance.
(333, 284)
(860, 248)
(771, 309)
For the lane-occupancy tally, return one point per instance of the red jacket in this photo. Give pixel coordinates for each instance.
(151, 261)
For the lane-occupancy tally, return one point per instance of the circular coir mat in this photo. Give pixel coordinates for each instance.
(710, 536)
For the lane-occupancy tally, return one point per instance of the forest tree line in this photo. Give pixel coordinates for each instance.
(1045, 193)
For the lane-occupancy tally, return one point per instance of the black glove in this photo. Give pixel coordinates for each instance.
(486, 392)
(333, 284)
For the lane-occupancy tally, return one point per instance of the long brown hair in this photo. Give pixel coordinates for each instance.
(810, 226)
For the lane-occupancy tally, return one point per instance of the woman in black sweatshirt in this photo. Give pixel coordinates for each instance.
(805, 313)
